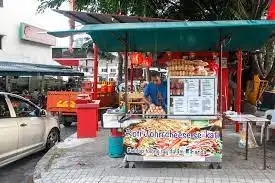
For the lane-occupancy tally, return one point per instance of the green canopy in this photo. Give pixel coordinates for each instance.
(28, 69)
(178, 36)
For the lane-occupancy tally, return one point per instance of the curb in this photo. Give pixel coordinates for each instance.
(40, 167)
(45, 163)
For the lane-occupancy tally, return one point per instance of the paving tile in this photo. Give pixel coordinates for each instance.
(217, 181)
(168, 181)
(235, 168)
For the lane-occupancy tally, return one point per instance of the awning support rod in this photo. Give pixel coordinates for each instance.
(132, 77)
(126, 72)
(238, 99)
(220, 72)
(95, 71)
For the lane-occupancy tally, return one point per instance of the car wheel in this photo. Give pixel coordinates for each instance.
(68, 120)
(52, 139)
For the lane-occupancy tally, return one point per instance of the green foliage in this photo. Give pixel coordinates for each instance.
(173, 9)
(185, 10)
(126, 7)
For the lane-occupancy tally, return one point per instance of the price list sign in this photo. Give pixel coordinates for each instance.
(199, 97)
(207, 87)
(191, 87)
(180, 105)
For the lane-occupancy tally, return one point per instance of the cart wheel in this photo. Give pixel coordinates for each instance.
(215, 166)
(68, 120)
(132, 165)
(129, 164)
(67, 124)
(126, 164)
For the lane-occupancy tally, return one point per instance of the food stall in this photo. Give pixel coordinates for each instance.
(191, 132)
(191, 128)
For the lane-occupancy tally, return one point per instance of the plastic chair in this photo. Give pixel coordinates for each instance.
(269, 114)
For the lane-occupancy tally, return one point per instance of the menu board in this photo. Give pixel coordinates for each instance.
(193, 96)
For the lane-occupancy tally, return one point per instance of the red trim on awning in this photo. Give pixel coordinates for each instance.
(68, 62)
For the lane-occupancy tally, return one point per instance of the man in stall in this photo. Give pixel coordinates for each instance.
(155, 93)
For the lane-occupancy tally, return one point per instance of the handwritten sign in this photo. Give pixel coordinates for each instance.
(65, 104)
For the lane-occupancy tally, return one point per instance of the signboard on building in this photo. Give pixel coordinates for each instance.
(35, 34)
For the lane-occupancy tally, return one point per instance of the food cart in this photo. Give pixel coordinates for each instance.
(63, 102)
(191, 129)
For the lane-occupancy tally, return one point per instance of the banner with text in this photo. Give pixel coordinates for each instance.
(184, 140)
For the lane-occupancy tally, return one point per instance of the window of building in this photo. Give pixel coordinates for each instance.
(23, 108)
(113, 70)
(1, 3)
(112, 75)
(104, 70)
(4, 109)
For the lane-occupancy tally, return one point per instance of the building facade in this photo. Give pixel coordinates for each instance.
(21, 41)
(108, 71)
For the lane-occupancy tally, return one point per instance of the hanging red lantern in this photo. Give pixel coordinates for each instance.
(148, 62)
(136, 58)
(213, 66)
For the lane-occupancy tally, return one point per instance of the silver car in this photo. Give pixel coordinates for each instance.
(24, 128)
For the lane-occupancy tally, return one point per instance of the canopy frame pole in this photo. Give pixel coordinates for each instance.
(132, 77)
(95, 71)
(220, 72)
(126, 71)
(238, 92)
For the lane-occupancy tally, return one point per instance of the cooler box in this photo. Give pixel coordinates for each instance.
(115, 147)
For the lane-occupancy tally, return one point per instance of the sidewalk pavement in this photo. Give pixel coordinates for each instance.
(86, 161)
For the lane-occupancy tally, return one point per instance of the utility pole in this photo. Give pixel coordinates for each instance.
(72, 25)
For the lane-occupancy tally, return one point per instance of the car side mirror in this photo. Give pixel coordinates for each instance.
(43, 112)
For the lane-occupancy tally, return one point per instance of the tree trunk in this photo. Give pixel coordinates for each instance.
(120, 68)
(256, 65)
(270, 62)
(264, 63)
(271, 75)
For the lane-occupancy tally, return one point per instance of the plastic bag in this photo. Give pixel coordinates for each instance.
(251, 138)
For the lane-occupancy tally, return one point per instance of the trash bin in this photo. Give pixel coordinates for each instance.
(87, 117)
